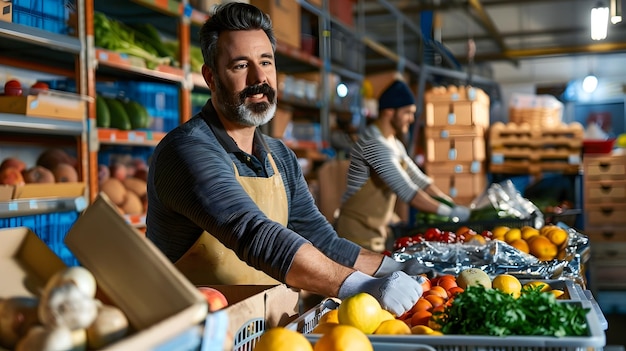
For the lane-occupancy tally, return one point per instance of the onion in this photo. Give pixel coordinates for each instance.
(67, 306)
(17, 316)
(109, 326)
(44, 339)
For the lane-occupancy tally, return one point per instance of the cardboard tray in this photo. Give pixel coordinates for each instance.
(56, 105)
(158, 300)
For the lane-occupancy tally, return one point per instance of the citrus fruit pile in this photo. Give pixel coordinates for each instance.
(546, 243)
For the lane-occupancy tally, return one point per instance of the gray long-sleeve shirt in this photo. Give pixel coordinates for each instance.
(192, 188)
(372, 152)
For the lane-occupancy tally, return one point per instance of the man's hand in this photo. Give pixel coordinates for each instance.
(411, 267)
(396, 293)
(460, 213)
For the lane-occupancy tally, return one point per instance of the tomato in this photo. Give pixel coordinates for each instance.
(39, 86)
(432, 234)
(13, 87)
(487, 234)
(401, 242)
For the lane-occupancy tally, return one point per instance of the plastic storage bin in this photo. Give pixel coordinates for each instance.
(50, 15)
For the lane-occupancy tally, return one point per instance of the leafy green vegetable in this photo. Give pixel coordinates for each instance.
(480, 311)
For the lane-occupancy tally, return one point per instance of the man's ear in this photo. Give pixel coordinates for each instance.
(208, 77)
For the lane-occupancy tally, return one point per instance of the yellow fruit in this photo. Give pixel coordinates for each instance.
(324, 327)
(542, 248)
(393, 327)
(558, 236)
(282, 339)
(528, 232)
(521, 245)
(546, 228)
(361, 311)
(557, 293)
(476, 239)
(386, 315)
(330, 316)
(343, 338)
(500, 231)
(535, 284)
(421, 330)
(512, 235)
(508, 284)
(473, 277)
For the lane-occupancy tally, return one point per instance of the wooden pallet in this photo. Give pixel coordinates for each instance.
(524, 135)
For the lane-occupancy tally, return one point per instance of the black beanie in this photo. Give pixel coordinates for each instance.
(396, 95)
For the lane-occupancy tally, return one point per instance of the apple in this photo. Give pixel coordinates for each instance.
(13, 87)
(214, 298)
(39, 87)
(13, 162)
(11, 176)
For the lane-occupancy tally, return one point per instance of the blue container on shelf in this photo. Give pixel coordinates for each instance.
(50, 228)
(161, 101)
(50, 15)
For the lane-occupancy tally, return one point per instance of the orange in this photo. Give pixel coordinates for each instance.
(521, 245)
(343, 338)
(421, 318)
(426, 284)
(282, 339)
(393, 327)
(330, 316)
(435, 300)
(499, 232)
(528, 232)
(546, 228)
(558, 236)
(421, 330)
(422, 305)
(476, 239)
(323, 327)
(437, 290)
(455, 291)
(542, 248)
(512, 235)
(361, 311)
(508, 284)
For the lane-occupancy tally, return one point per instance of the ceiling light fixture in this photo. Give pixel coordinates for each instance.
(590, 83)
(616, 11)
(599, 21)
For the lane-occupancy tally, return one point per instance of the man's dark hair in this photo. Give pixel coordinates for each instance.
(230, 17)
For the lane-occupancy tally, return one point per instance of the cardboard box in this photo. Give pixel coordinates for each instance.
(461, 185)
(460, 113)
(6, 11)
(276, 305)
(45, 105)
(461, 149)
(285, 16)
(26, 262)
(133, 274)
(6, 192)
(37, 191)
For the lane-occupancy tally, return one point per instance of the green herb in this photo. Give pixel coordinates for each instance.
(480, 311)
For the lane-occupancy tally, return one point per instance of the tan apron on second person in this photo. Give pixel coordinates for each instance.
(209, 262)
(365, 215)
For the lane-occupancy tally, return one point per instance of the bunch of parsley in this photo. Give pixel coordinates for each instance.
(480, 311)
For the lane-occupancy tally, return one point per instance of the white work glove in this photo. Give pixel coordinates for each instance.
(460, 213)
(411, 267)
(397, 292)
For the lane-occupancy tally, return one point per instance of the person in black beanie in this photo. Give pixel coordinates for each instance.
(381, 171)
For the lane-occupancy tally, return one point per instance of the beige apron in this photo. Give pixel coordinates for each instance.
(209, 262)
(365, 215)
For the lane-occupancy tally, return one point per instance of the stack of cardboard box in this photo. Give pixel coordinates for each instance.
(455, 127)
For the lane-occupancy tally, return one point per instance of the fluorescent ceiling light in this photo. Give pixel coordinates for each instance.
(599, 21)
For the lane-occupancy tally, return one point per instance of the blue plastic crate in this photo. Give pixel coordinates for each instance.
(50, 15)
(161, 101)
(50, 228)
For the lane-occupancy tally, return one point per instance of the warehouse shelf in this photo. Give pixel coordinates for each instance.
(13, 123)
(129, 137)
(37, 37)
(27, 207)
(122, 65)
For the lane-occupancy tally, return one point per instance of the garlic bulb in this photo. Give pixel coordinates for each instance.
(40, 338)
(67, 306)
(80, 276)
(109, 326)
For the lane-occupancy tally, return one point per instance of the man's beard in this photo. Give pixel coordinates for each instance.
(236, 110)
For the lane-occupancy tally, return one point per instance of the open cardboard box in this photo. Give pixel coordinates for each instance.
(277, 305)
(158, 300)
(42, 190)
(160, 303)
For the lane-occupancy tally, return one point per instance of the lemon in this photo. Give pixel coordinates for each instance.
(324, 327)
(558, 236)
(542, 248)
(386, 315)
(393, 327)
(361, 311)
(528, 232)
(500, 231)
(282, 339)
(343, 338)
(508, 284)
(521, 245)
(557, 293)
(421, 330)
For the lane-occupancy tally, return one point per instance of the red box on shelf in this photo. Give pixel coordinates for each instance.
(598, 146)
